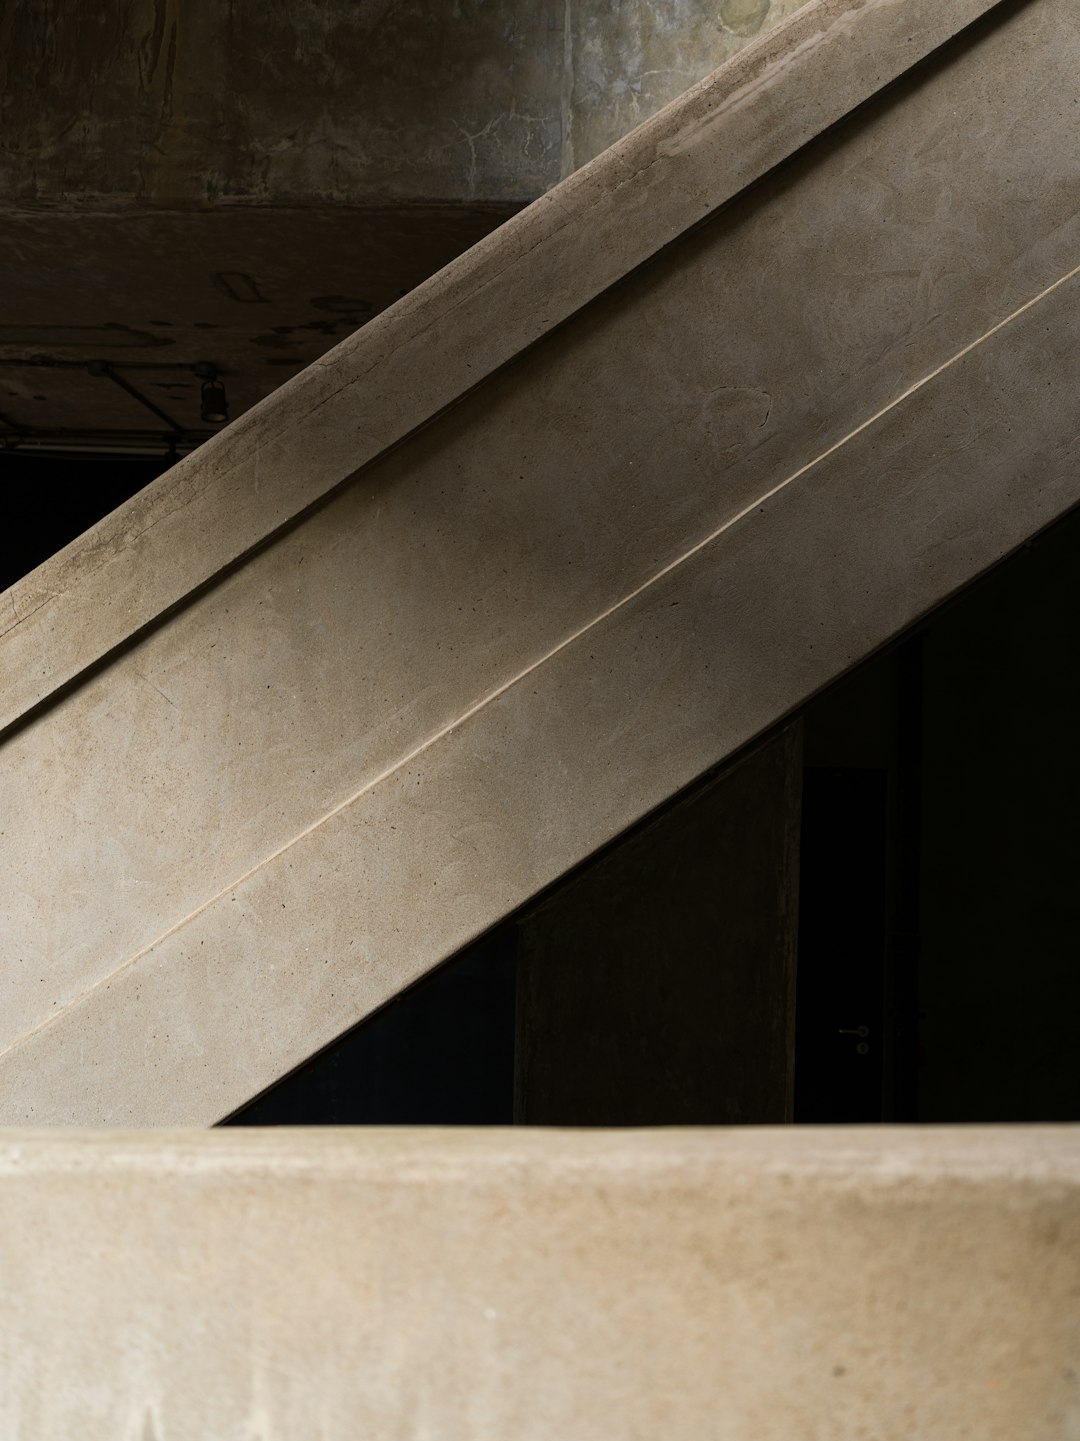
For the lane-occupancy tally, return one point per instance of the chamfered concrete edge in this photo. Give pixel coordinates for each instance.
(454, 331)
(889, 1155)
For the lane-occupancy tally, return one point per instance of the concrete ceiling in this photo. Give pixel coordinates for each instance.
(257, 293)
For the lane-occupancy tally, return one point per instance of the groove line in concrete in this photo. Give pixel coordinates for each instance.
(492, 696)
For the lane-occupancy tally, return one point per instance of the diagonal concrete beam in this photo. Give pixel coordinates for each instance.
(447, 337)
(577, 746)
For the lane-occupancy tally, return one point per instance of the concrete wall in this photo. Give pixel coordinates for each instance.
(332, 101)
(623, 62)
(241, 185)
(698, 1286)
(338, 102)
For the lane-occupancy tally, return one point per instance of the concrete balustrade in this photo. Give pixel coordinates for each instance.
(742, 1285)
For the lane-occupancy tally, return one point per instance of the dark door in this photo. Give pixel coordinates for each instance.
(842, 944)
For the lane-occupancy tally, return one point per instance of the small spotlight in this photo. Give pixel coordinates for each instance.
(215, 405)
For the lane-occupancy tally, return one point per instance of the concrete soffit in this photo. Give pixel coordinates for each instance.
(451, 334)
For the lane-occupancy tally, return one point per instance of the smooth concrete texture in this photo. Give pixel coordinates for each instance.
(423, 354)
(495, 808)
(616, 563)
(728, 1285)
(657, 985)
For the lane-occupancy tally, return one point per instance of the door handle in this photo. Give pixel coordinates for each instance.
(862, 1048)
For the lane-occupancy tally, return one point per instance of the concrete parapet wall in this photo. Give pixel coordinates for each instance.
(737, 1285)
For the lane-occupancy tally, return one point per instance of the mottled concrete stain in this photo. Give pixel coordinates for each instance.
(339, 102)
(322, 100)
(743, 17)
(628, 63)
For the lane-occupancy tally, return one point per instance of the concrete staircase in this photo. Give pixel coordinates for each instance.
(594, 507)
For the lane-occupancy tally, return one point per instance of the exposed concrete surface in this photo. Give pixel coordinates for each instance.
(505, 799)
(167, 103)
(298, 810)
(625, 62)
(745, 1285)
(338, 102)
(450, 334)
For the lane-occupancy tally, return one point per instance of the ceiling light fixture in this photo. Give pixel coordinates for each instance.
(215, 405)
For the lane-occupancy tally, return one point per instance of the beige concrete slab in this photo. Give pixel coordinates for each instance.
(466, 558)
(425, 352)
(742, 1285)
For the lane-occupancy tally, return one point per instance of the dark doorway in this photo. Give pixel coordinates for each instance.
(441, 1054)
(50, 500)
(840, 1007)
